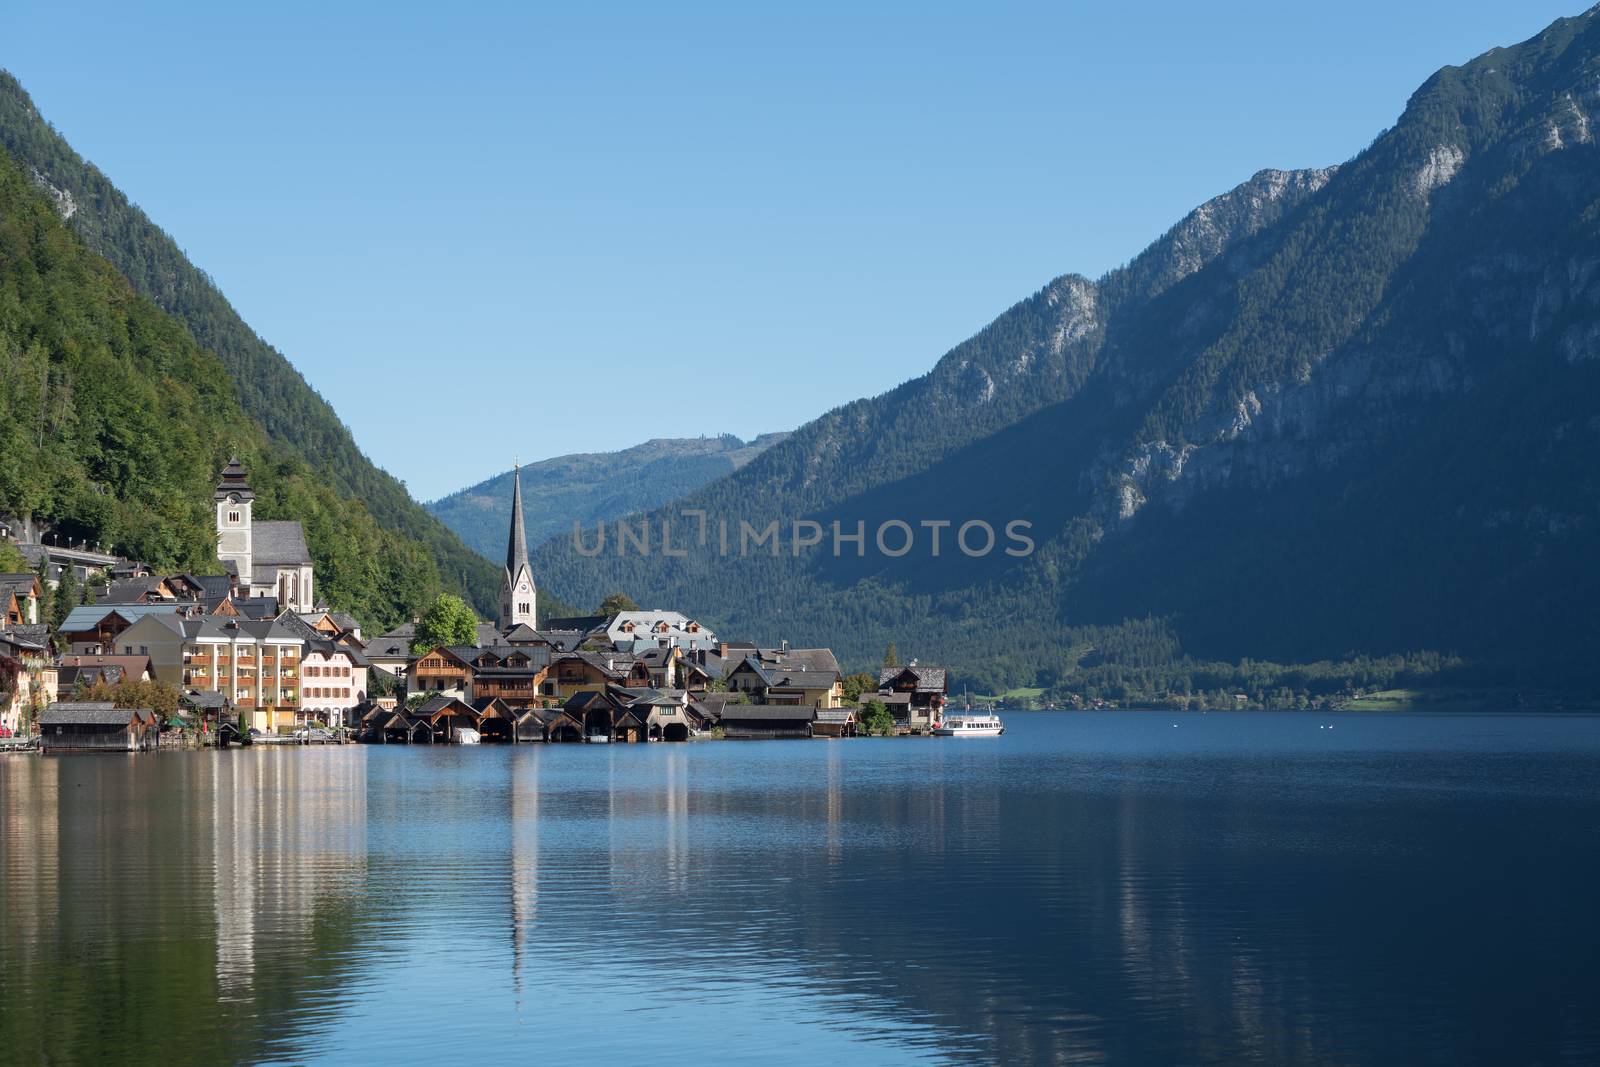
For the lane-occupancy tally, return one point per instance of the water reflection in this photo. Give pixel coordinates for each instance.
(1090, 889)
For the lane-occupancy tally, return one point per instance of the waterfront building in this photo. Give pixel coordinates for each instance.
(97, 727)
(808, 676)
(915, 695)
(253, 663)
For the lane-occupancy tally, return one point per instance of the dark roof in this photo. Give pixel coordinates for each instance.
(766, 712)
(204, 698)
(280, 543)
(520, 632)
(99, 714)
(234, 480)
(929, 679)
(214, 586)
(19, 583)
(800, 668)
(436, 704)
(130, 590)
(256, 607)
(389, 648)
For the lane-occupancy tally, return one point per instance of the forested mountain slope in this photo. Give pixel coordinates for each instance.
(268, 387)
(114, 423)
(589, 487)
(1336, 412)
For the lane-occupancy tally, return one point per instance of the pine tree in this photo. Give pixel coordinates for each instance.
(891, 657)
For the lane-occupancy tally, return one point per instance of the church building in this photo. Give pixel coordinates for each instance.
(269, 558)
(519, 599)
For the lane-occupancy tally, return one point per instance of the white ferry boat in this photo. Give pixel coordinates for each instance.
(971, 724)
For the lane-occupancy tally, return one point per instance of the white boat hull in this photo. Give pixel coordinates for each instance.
(967, 726)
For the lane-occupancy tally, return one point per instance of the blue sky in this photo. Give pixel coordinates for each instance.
(485, 230)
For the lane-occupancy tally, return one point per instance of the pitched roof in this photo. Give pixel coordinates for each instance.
(95, 714)
(929, 679)
(278, 543)
(766, 712)
(86, 617)
(21, 584)
(130, 590)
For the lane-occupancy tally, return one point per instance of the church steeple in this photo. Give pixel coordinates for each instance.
(519, 598)
(517, 543)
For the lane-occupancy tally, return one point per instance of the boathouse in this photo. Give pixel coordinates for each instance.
(97, 727)
(752, 721)
(834, 722)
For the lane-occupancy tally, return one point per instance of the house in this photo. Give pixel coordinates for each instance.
(333, 681)
(507, 673)
(915, 695)
(575, 672)
(144, 589)
(635, 631)
(76, 673)
(766, 721)
(95, 629)
(808, 676)
(391, 652)
(28, 680)
(19, 599)
(443, 670)
(97, 727)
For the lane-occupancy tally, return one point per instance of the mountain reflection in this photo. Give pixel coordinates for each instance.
(1084, 891)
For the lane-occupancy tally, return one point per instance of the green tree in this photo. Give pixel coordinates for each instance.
(891, 656)
(617, 602)
(11, 561)
(448, 622)
(159, 697)
(66, 597)
(856, 684)
(875, 720)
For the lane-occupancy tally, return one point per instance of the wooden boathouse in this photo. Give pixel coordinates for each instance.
(97, 727)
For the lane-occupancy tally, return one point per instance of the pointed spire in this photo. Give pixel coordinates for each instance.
(517, 544)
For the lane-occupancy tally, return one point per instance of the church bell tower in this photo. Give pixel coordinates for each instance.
(234, 498)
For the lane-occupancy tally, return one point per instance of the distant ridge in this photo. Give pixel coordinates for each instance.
(591, 487)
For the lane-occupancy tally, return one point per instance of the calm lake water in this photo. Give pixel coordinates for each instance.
(1090, 888)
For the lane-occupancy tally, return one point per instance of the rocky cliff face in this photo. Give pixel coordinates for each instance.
(1354, 408)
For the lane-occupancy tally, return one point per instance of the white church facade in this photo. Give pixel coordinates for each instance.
(269, 558)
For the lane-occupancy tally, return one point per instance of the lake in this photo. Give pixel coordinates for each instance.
(1120, 887)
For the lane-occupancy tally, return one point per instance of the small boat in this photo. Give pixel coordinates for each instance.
(466, 735)
(598, 739)
(982, 724)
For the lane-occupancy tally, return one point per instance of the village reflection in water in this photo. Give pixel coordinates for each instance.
(1067, 897)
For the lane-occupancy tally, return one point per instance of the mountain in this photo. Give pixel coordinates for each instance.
(590, 487)
(270, 391)
(114, 423)
(1343, 418)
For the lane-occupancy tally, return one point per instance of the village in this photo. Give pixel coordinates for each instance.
(249, 656)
